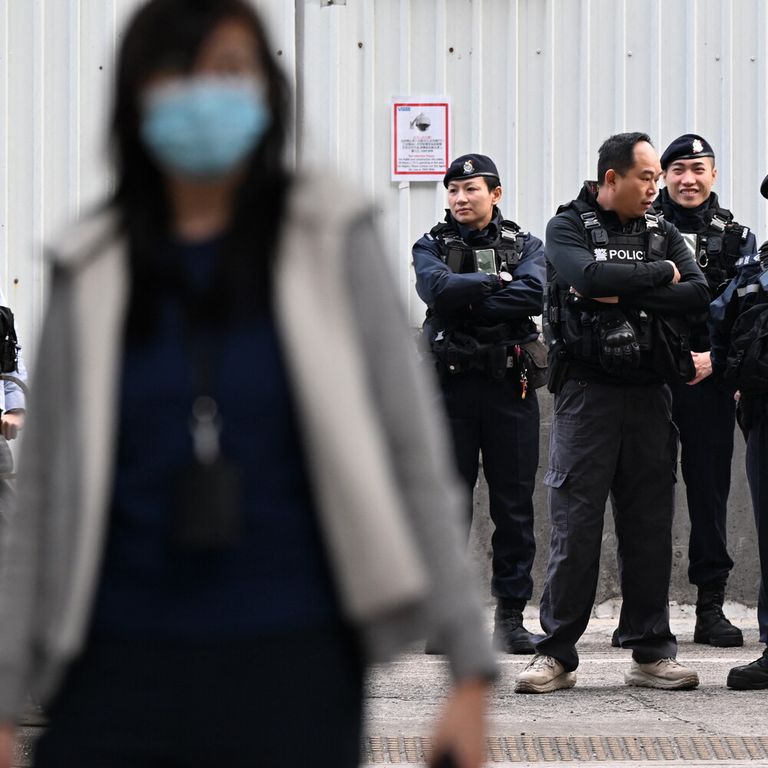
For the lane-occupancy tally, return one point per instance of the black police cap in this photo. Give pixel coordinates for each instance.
(686, 147)
(469, 166)
(764, 188)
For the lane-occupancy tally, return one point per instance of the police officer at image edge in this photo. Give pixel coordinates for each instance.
(482, 279)
(620, 282)
(703, 410)
(738, 325)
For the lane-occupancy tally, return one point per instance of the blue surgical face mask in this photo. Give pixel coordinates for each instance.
(204, 126)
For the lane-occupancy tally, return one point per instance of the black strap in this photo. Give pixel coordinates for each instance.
(657, 237)
(596, 232)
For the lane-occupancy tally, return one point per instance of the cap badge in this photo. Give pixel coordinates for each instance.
(468, 167)
(697, 146)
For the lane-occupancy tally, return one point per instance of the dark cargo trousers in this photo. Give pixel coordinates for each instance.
(617, 440)
(757, 476)
(706, 418)
(489, 417)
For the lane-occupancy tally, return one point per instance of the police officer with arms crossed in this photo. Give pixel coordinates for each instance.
(619, 280)
(738, 325)
(703, 410)
(482, 279)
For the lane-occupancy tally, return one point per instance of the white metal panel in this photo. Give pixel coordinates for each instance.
(537, 84)
(23, 140)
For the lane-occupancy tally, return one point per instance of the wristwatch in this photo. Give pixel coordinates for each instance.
(505, 277)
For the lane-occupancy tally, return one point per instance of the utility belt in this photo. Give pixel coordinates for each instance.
(581, 332)
(572, 330)
(458, 351)
(573, 320)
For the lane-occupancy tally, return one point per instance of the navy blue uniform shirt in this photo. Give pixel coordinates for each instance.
(276, 577)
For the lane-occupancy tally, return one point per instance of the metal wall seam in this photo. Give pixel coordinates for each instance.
(441, 89)
(548, 178)
(280, 19)
(4, 151)
(336, 136)
(365, 54)
(23, 161)
(476, 69)
(404, 187)
(691, 70)
(725, 183)
(759, 225)
(620, 62)
(61, 188)
(511, 80)
(747, 77)
(692, 64)
(655, 70)
(29, 261)
(584, 132)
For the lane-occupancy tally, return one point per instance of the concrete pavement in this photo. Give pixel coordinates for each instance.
(600, 721)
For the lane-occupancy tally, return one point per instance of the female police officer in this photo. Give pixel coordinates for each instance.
(482, 279)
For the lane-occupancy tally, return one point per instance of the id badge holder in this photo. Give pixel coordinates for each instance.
(485, 260)
(206, 514)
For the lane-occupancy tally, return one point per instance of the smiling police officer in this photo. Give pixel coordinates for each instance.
(619, 280)
(703, 409)
(482, 279)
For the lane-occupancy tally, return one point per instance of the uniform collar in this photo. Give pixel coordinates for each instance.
(588, 195)
(468, 235)
(686, 219)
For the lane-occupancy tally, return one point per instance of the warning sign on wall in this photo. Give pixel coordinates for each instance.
(420, 132)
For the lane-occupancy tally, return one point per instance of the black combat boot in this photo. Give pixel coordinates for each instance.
(750, 677)
(509, 634)
(712, 628)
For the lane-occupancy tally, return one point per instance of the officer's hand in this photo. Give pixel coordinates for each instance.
(675, 273)
(619, 350)
(703, 365)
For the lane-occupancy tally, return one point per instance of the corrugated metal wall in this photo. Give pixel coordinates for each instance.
(537, 84)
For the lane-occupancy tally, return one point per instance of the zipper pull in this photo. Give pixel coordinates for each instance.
(205, 426)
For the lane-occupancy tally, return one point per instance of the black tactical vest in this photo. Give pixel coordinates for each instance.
(572, 322)
(717, 249)
(456, 343)
(746, 365)
(461, 257)
(577, 317)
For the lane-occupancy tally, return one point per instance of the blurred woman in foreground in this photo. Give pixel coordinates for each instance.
(235, 490)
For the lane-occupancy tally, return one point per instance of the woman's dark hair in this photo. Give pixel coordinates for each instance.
(166, 36)
(618, 152)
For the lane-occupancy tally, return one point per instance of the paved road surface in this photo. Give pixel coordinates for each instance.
(599, 722)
